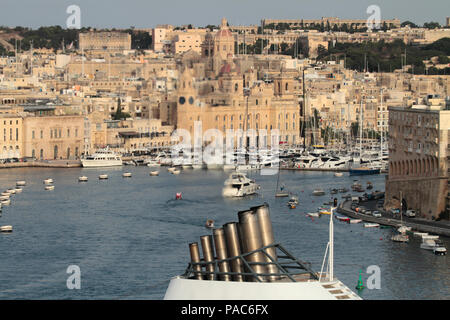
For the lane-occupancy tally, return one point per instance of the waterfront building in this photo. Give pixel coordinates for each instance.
(94, 40)
(419, 158)
(11, 133)
(53, 137)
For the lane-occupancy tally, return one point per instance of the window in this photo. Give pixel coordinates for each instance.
(42, 134)
(32, 134)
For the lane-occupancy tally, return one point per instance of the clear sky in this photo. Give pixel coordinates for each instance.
(148, 13)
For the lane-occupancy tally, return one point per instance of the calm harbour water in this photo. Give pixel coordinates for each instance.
(129, 236)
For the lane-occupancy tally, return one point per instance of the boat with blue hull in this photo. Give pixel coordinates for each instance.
(363, 171)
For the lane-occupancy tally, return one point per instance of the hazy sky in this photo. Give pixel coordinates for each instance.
(148, 13)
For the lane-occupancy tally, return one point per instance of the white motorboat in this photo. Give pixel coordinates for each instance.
(171, 169)
(5, 202)
(436, 246)
(102, 158)
(176, 171)
(83, 179)
(6, 229)
(154, 173)
(153, 163)
(430, 237)
(238, 185)
(338, 174)
(228, 167)
(440, 251)
(48, 181)
(126, 174)
(18, 190)
(4, 197)
(219, 275)
(371, 225)
(318, 192)
(352, 221)
(103, 176)
(420, 234)
(6, 194)
(21, 183)
(49, 187)
(11, 191)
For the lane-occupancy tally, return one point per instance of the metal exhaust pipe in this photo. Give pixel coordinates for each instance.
(208, 255)
(234, 249)
(251, 233)
(221, 252)
(267, 238)
(195, 258)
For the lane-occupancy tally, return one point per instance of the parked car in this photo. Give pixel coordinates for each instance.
(368, 212)
(410, 213)
(395, 211)
(376, 214)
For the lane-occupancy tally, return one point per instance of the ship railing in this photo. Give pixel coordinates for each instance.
(289, 267)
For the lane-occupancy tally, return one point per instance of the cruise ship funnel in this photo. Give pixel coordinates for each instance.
(221, 252)
(208, 255)
(251, 238)
(267, 238)
(195, 258)
(234, 249)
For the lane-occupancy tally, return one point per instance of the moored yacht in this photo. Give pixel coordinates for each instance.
(102, 158)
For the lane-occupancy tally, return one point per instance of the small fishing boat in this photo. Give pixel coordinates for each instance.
(369, 185)
(21, 183)
(338, 174)
(5, 202)
(293, 200)
(6, 229)
(318, 192)
(341, 218)
(281, 194)
(18, 190)
(171, 169)
(363, 171)
(209, 223)
(352, 221)
(371, 225)
(11, 191)
(154, 173)
(4, 197)
(83, 179)
(334, 191)
(126, 174)
(48, 181)
(400, 238)
(6, 194)
(103, 176)
(343, 190)
(49, 187)
(324, 212)
(313, 214)
(176, 171)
